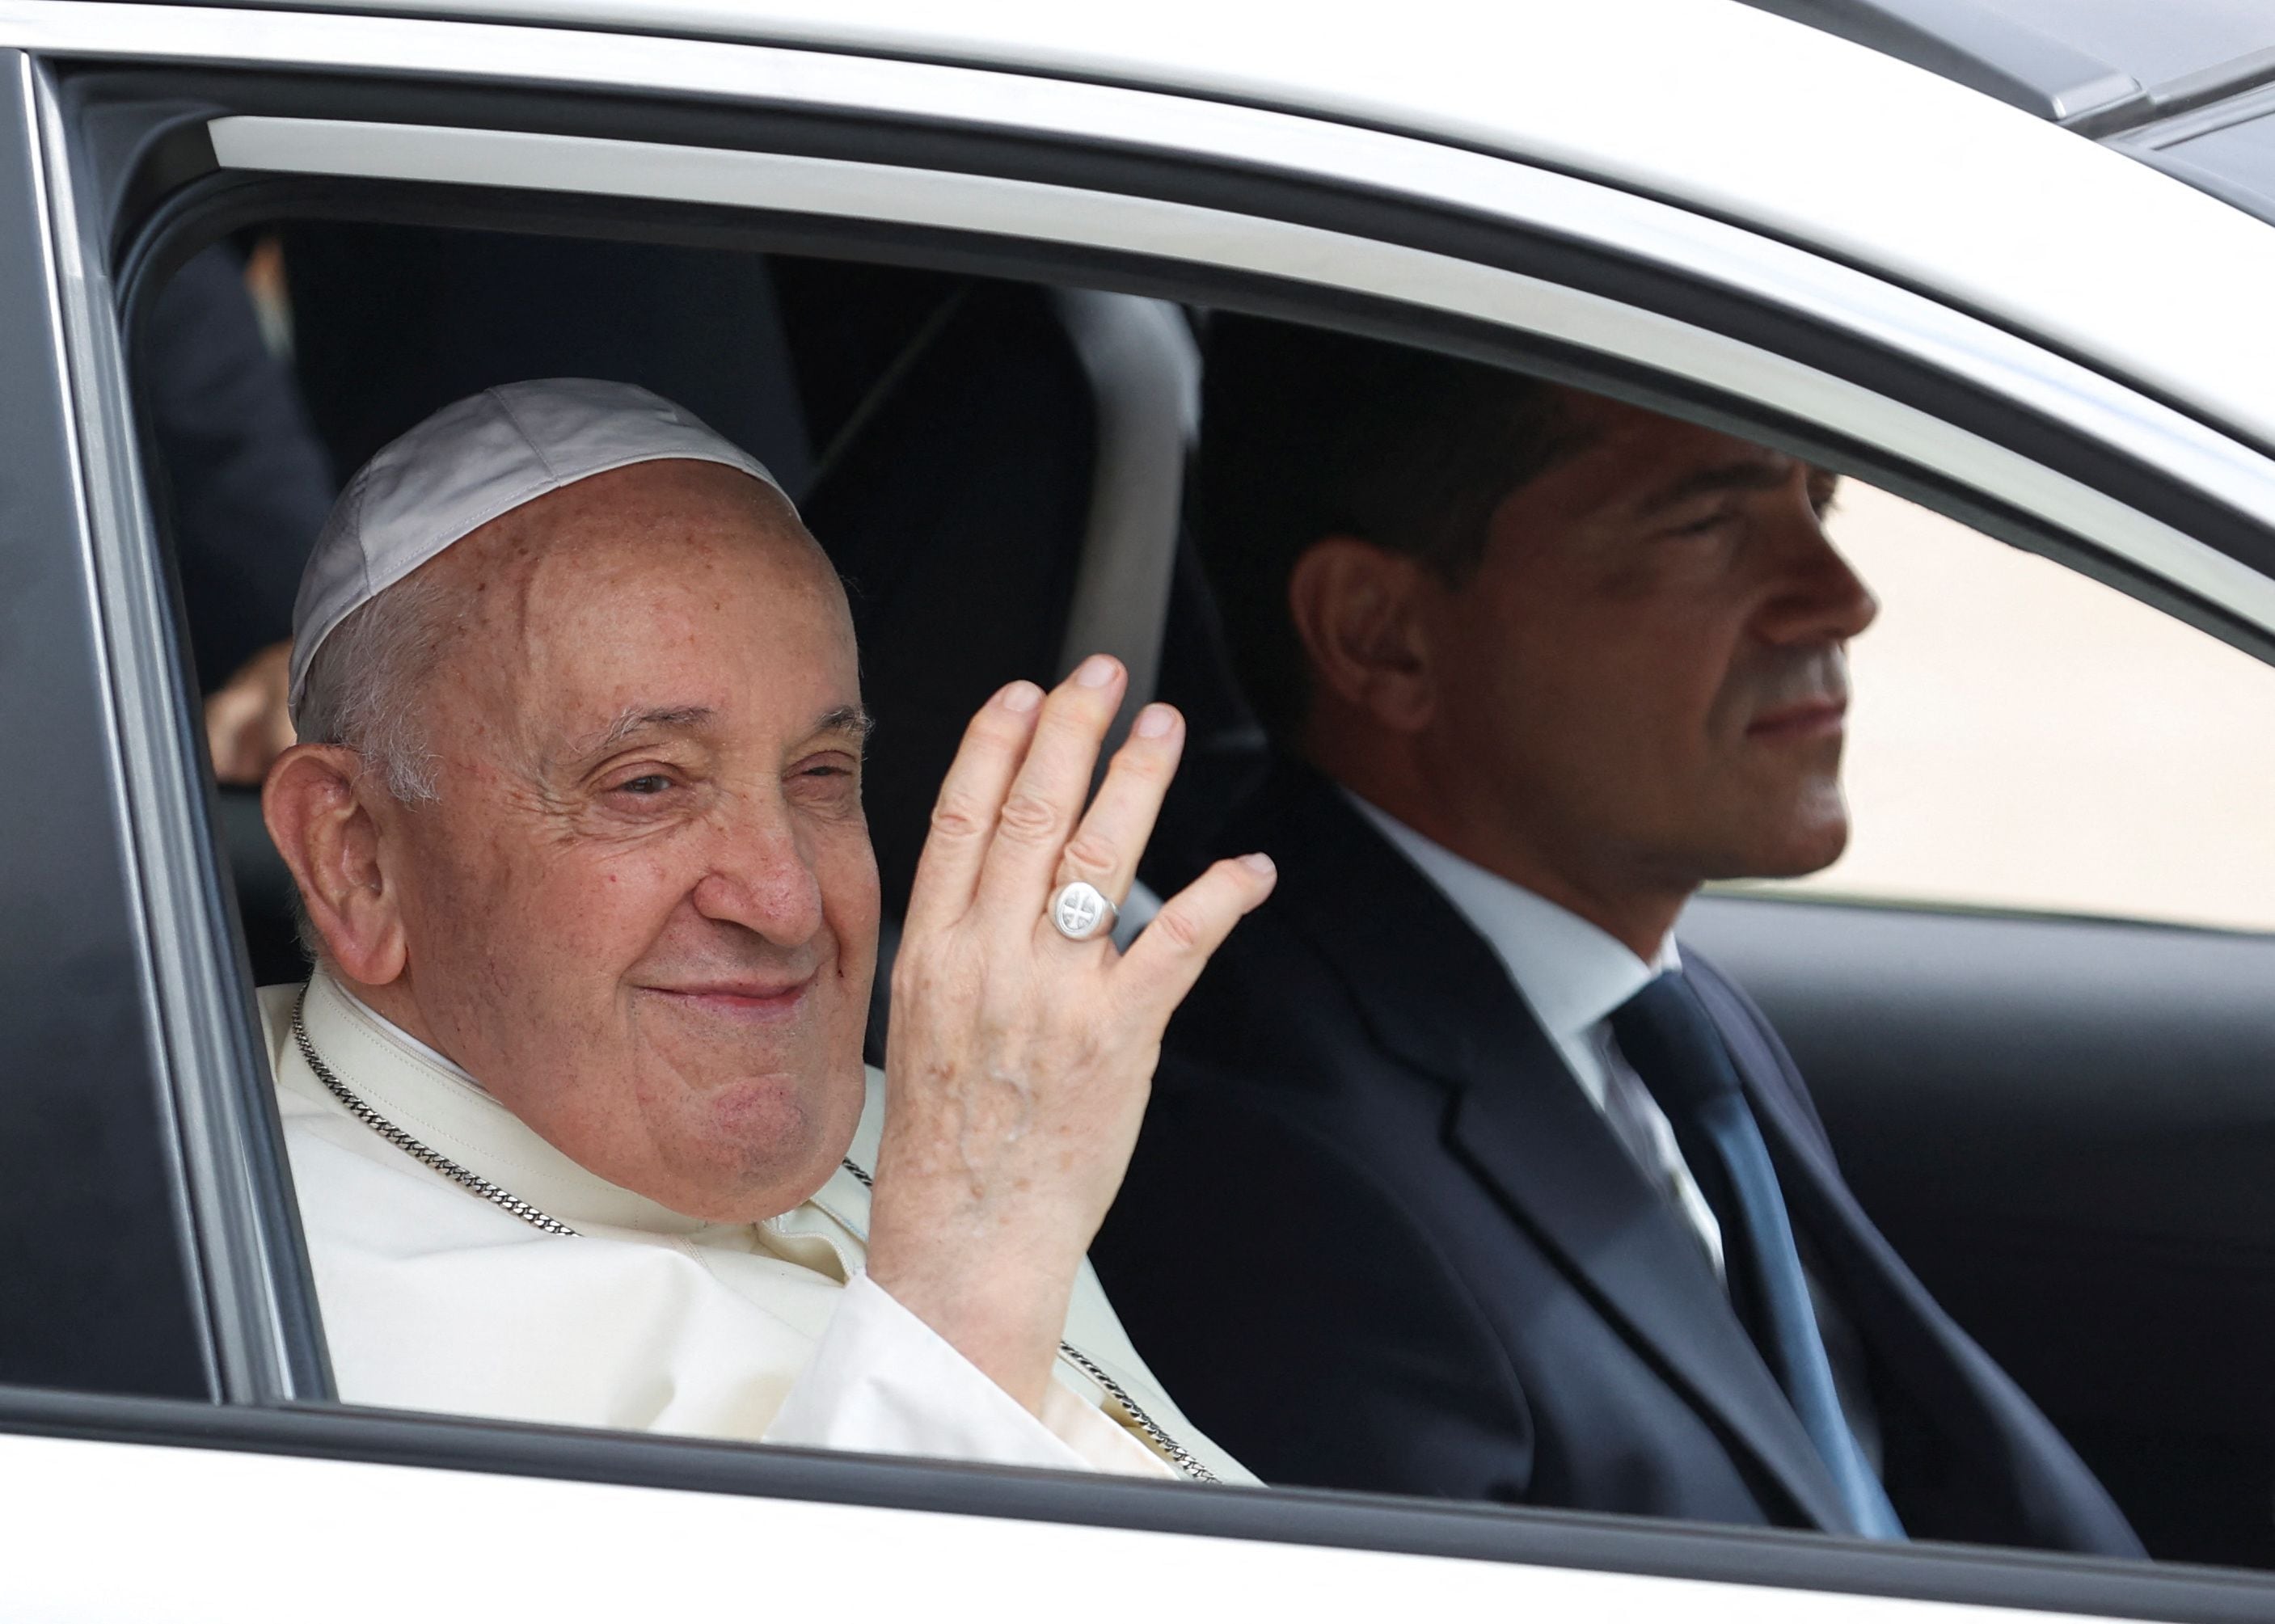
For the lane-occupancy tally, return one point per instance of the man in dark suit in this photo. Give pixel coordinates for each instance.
(1507, 1197)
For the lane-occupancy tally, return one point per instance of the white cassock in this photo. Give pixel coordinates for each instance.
(435, 1298)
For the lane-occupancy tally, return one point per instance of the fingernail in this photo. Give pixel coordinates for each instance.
(1256, 862)
(1155, 721)
(1020, 698)
(1094, 672)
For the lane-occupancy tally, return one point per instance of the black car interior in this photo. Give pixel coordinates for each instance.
(2064, 1124)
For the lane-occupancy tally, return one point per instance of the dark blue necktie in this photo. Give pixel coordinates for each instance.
(1666, 1035)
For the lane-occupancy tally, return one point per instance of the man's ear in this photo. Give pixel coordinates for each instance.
(1358, 609)
(314, 803)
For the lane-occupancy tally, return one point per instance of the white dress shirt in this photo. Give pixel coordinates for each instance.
(1572, 976)
(435, 1299)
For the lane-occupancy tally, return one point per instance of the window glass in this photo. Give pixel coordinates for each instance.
(721, 839)
(1428, 623)
(2023, 737)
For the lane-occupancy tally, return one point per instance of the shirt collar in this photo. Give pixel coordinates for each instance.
(1572, 973)
(432, 1099)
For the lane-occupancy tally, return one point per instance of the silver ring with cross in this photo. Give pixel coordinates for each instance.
(1081, 912)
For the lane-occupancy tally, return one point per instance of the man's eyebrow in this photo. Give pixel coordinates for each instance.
(1755, 474)
(644, 719)
(846, 719)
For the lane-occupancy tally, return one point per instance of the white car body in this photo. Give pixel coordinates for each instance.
(1816, 176)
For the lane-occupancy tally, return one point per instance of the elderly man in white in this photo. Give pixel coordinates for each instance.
(575, 1101)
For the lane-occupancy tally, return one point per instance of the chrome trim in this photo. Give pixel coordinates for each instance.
(185, 980)
(1119, 222)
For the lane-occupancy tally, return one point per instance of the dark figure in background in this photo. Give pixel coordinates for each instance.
(242, 486)
(1508, 1197)
(245, 485)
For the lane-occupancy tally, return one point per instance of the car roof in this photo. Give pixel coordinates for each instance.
(2097, 65)
(2185, 86)
(1714, 104)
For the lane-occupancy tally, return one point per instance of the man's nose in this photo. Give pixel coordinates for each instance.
(1819, 597)
(761, 878)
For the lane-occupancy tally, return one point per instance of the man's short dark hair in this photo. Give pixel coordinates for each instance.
(1307, 433)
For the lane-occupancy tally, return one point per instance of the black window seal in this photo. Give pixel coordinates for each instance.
(265, 1336)
(104, 1293)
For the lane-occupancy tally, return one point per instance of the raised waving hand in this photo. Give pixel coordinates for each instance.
(1019, 1061)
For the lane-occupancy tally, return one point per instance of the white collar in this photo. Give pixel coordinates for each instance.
(437, 1103)
(1572, 973)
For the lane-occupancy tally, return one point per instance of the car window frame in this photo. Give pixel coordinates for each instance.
(108, 1281)
(288, 1413)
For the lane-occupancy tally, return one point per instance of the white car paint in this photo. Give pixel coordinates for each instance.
(1729, 109)
(123, 1533)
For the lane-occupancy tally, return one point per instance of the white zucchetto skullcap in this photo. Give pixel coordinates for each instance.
(471, 462)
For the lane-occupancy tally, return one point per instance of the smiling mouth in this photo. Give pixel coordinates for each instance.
(1817, 719)
(749, 999)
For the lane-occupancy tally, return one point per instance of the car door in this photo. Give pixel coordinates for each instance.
(130, 146)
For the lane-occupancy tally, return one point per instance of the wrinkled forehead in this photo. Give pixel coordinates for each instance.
(668, 587)
(1626, 457)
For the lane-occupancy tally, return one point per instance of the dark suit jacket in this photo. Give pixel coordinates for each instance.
(1375, 1237)
(247, 482)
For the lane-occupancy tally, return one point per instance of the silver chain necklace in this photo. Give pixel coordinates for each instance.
(1175, 1452)
(403, 1142)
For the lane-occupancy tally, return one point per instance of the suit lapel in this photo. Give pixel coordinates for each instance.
(2002, 1474)
(2024, 1482)
(1899, 1319)
(1435, 996)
